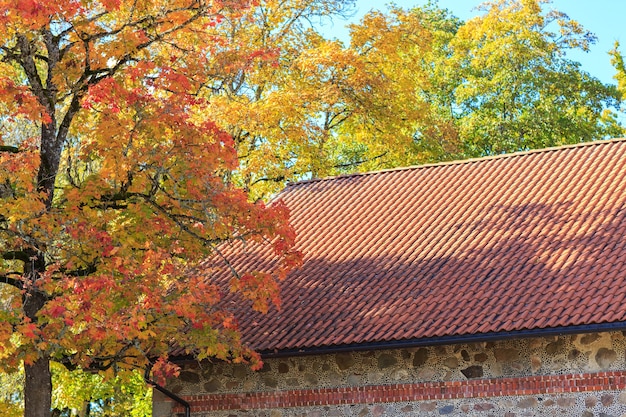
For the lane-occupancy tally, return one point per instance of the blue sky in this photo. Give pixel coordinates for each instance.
(605, 18)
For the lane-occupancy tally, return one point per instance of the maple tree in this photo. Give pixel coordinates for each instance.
(114, 185)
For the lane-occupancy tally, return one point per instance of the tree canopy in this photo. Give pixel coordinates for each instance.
(412, 86)
(516, 87)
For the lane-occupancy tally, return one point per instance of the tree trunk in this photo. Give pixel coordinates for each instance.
(38, 389)
(38, 382)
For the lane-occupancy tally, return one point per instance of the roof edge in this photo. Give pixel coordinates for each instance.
(432, 341)
(461, 161)
(449, 340)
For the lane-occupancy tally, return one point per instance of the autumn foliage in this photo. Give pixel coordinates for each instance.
(135, 136)
(408, 87)
(120, 188)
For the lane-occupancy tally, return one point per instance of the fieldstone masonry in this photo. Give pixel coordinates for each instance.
(460, 369)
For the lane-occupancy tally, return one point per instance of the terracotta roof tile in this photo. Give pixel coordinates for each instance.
(522, 241)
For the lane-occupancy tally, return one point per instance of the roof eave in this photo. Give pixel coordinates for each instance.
(447, 340)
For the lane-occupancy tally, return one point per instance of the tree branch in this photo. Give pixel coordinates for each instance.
(25, 59)
(81, 272)
(23, 256)
(14, 282)
(357, 163)
(64, 127)
(275, 179)
(178, 220)
(9, 148)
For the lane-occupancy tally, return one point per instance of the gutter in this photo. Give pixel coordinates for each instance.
(448, 340)
(168, 393)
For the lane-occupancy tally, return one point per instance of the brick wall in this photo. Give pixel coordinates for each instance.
(583, 375)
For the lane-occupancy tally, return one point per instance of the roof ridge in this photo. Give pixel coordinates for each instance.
(462, 161)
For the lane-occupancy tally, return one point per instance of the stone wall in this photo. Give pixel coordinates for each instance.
(581, 375)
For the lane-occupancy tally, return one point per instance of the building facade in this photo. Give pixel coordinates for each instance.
(571, 375)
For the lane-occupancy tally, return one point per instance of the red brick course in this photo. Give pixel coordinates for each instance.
(421, 391)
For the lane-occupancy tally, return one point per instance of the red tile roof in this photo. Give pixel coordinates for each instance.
(533, 240)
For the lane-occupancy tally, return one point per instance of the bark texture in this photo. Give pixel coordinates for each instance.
(38, 389)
